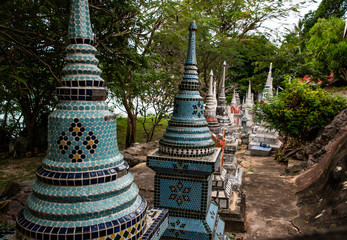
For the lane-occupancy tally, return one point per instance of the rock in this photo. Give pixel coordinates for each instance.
(295, 166)
(324, 180)
(300, 155)
(16, 201)
(11, 189)
(138, 152)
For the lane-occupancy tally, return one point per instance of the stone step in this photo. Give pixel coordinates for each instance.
(234, 217)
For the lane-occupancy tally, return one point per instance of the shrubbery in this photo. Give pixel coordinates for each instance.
(300, 111)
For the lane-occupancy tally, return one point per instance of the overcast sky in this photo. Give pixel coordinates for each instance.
(292, 19)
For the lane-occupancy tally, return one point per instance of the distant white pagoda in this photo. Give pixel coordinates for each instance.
(267, 92)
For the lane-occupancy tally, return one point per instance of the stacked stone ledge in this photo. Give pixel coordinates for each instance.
(84, 189)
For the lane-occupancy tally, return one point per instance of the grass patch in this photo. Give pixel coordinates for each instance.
(18, 169)
(140, 133)
(21, 169)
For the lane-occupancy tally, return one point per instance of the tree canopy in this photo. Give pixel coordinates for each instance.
(142, 48)
(328, 48)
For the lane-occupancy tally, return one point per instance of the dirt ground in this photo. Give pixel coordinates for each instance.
(271, 203)
(272, 210)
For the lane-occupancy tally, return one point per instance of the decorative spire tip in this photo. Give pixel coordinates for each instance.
(192, 26)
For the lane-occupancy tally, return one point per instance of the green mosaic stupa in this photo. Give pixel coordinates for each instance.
(84, 189)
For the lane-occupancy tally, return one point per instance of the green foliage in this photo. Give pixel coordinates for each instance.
(227, 31)
(31, 44)
(326, 9)
(301, 110)
(252, 61)
(6, 229)
(139, 44)
(328, 47)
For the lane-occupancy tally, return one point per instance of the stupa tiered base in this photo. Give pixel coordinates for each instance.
(184, 186)
(151, 227)
(213, 125)
(84, 189)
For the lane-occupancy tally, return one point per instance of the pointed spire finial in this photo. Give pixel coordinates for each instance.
(188, 113)
(268, 81)
(222, 91)
(233, 100)
(214, 88)
(191, 56)
(190, 80)
(80, 30)
(81, 79)
(210, 88)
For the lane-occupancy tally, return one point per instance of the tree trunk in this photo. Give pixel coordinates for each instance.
(31, 131)
(151, 133)
(30, 123)
(131, 130)
(4, 123)
(131, 123)
(30, 114)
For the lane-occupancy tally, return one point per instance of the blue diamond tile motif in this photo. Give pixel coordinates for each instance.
(178, 194)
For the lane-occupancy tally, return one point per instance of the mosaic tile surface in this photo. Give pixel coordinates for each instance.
(187, 228)
(157, 222)
(185, 162)
(187, 133)
(81, 80)
(220, 230)
(84, 189)
(200, 166)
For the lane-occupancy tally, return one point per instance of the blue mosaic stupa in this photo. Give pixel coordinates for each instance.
(84, 189)
(185, 162)
(187, 134)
